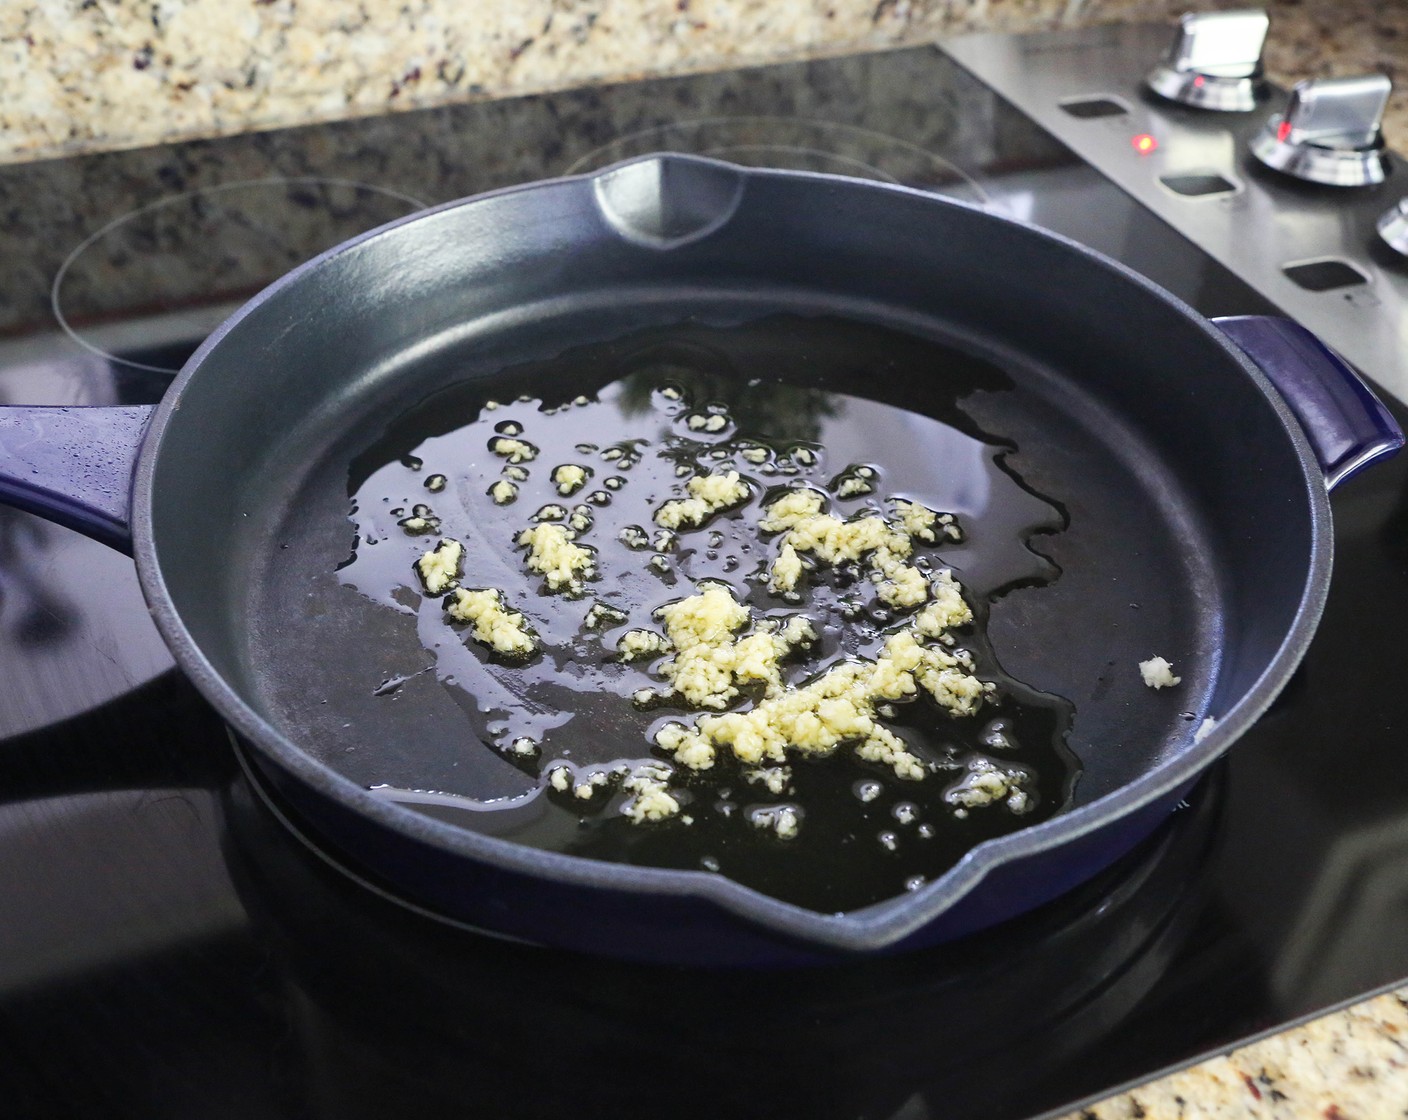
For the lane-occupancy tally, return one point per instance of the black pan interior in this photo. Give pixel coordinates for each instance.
(1188, 531)
(316, 649)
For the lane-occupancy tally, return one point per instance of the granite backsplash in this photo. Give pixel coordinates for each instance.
(87, 75)
(230, 241)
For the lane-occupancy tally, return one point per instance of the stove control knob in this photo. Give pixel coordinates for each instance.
(1214, 62)
(1330, 132)
(1393, 227)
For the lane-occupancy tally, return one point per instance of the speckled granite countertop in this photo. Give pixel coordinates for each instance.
(90, 75)
(1351, 1065)
(83, 75)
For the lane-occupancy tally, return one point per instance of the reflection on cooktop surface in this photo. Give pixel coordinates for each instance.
(189, 900)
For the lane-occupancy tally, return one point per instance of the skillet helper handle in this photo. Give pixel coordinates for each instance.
(73, 465)
(1347, 425)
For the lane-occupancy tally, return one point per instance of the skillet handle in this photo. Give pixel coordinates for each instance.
(73, 465)
(1347, 425)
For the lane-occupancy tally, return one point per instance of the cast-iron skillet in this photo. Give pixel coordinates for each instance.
(1192, 489)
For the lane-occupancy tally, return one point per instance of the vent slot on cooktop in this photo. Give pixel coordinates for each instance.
(1087, 108)
(1324, 275)
(1198, 184)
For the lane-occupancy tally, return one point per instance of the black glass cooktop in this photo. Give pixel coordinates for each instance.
(168, 948)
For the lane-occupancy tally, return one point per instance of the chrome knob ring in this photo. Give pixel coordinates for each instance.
(1214, 61)
(1330, 132)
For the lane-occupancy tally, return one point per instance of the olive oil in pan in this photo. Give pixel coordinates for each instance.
(599, 439)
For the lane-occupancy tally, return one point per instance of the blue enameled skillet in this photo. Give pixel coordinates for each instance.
(1195, 458)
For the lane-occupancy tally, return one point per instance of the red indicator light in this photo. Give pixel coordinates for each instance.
(1199, 81)
(1144, 143)
(1283, 130)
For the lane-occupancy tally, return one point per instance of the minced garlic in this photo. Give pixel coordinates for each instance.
(440, 567)
(514, 450)
(652, 800)
(709, 663)
(503, 492)
(640, 643)
(421, 520)
(885, 546)
(1158, 673)
(708, 493)
(569, 478)
(602, 614)
(791, 507)
(501, 629)
(917, 520)
(774, 779)
(718, 490)
(902, 585)
(596, 780)
(834, 541)
(816, 718)
(707, 422)
(786, 570)
(884, 746)
(947, 610)
(781, 819)
(552, 555)
(986, 783)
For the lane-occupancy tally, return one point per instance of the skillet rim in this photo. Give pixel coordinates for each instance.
(873, 928)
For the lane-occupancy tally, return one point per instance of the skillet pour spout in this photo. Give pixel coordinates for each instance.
(1193, 459)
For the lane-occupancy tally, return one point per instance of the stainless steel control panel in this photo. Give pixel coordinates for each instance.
(1313, 251)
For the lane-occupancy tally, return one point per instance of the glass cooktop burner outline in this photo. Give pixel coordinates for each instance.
(212, 246)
